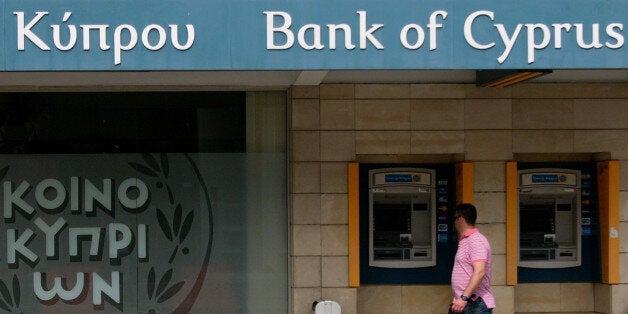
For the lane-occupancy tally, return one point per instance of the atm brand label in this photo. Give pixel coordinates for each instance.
(398, 177)
(414, 178)
(548, 178)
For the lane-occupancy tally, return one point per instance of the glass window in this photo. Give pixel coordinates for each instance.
(144, 202)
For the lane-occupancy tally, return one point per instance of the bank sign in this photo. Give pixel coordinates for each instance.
(60, 35)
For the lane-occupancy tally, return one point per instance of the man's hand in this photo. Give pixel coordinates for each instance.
(458, 305)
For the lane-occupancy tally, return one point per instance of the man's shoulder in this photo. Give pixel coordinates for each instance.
(479, 236)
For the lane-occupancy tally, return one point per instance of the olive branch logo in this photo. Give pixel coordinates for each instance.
(163, 283)
(170, 233)
(7, 302)
(176, 231)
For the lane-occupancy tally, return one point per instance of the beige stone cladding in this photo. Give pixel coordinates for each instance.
(334, 124)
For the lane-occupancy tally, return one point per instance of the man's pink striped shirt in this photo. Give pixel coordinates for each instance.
(472, 247)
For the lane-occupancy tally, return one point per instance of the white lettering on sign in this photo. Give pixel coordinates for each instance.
(125, 36)
(481, 30)
(282, 34)
(309, 36)
(51, 195)
(17, 244)
(120, 238)
(432, 26)
(539, 35)
(100, 287)
(57, 288)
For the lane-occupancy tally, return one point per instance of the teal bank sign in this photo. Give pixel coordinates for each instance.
(89, 35)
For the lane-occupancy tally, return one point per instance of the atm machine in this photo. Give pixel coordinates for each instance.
(549, 218)
(402, 218)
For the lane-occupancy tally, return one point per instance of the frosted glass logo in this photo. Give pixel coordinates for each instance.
(138, 240)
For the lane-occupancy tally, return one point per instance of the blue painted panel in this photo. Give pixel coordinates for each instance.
(447, 240)
(234, 35)
(2, 49)
(590, 270)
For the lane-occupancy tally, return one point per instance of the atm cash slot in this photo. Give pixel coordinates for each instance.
(538, 255)
(536, 243)
(547, 255)
(390, 254)
(391, 239)
(416, 254)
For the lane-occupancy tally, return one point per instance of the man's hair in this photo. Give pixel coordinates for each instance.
(467, 211)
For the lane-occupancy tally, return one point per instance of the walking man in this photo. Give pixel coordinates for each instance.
(471, 275)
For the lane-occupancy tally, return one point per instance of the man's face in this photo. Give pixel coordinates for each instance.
(457, 221)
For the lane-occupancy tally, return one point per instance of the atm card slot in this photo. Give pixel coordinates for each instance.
(420, 254)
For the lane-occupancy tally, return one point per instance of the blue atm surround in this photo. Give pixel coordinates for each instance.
(590, 269)
(446, 239)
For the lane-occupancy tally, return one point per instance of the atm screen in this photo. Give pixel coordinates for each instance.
(391, 218)
(537, 218)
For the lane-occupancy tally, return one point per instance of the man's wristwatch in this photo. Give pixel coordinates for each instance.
(464, 298)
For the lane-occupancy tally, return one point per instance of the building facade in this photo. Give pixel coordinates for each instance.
(208, 157)
(336, 124)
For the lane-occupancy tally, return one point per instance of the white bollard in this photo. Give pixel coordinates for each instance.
(326, 307)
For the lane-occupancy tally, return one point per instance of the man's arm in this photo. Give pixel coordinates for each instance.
(479, 270)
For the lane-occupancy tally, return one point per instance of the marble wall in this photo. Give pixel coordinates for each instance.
(334, 124)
